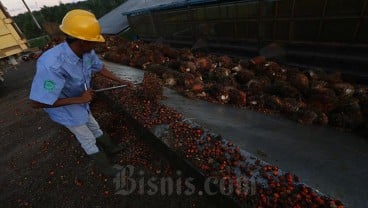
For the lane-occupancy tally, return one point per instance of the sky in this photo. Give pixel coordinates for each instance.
(15, 7)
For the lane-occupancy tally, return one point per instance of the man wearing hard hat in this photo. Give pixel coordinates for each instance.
(62, 85)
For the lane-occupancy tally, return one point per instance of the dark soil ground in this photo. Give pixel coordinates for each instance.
(43, 165)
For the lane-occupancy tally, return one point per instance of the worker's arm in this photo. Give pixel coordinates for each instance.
(86, 97)
(106, 73)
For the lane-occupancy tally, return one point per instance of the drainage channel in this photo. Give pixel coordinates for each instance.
(207, 154)
(178, 162)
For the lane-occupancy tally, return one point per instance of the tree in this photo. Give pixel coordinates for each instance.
(55, 14)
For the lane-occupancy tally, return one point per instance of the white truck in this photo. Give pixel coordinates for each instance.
(12, 41)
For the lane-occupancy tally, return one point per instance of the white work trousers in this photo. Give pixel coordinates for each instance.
(86, 134)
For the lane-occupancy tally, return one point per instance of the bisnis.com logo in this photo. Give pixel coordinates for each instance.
(127, 182)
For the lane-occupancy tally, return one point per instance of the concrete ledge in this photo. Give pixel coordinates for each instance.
(269, 180)
(174, 158)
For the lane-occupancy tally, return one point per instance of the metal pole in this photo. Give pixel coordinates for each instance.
(261, 24)
(30, 12)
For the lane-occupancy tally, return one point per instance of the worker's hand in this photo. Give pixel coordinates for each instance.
(87, 96)
(129, 84)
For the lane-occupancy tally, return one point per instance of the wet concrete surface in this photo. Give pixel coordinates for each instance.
(326, 159)
(125, 72)
(330, 161)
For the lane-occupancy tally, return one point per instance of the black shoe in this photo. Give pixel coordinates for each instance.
(105, 143)
(103, 164)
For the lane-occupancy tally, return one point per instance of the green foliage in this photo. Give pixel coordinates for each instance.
(56, 13)
(39, 42)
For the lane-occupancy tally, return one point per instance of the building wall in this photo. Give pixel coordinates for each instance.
(306, 29)
(323, 21)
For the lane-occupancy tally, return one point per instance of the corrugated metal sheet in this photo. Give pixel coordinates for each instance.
(171, 5)
(115, 22)
(319, 31)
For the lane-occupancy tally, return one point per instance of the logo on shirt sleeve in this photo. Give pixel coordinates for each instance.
(49, 85)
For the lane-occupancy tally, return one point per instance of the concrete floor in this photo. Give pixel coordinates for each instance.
(328, 160)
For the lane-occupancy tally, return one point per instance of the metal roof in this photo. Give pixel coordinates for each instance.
(115, 22)
(171, 5)
(179, 4)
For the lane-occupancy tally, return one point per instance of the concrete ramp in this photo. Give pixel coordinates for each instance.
(328, 160)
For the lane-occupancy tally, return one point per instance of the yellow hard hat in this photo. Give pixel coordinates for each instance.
(83, 25)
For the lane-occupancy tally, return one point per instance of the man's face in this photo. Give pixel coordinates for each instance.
(87, 46)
